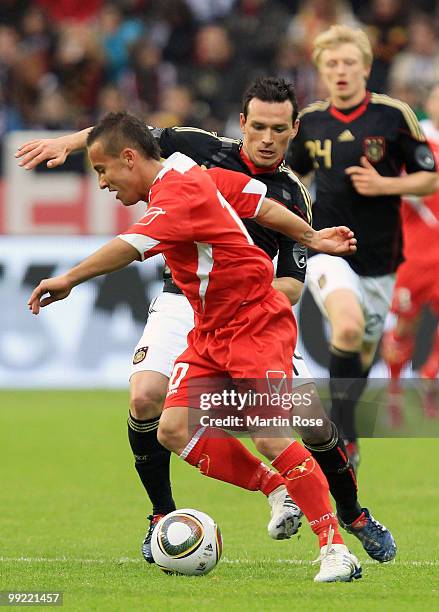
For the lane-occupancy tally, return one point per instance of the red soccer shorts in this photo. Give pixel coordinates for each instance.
(417, 285)
(258, 343)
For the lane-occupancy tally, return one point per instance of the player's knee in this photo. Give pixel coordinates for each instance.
(172, 437)
(146, 403)
(348, 335)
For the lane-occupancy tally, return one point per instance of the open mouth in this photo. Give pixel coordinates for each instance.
(266, 153)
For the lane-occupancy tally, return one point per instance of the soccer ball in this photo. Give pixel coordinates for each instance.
(186, 542)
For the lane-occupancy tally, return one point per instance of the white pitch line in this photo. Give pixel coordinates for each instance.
(123, 560)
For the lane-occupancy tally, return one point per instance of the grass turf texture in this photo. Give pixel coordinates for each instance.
(72, 519)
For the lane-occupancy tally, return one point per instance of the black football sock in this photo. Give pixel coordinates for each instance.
(346, 385)
(332, 458)
(152, 463)
(355, 392)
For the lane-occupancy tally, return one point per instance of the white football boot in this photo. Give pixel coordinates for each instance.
(337, 563)
(285, 515)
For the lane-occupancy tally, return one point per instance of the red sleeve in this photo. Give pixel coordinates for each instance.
(164, 223)
(243, 192)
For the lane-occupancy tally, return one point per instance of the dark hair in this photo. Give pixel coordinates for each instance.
(270, 89)
(120, 130)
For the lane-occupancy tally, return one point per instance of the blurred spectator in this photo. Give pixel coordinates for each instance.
(118, 36)
(79, 68)
(386, 22)
(53, 113)
(415, 69)
(217, 77)
(9, 54)
(178, 29)
(110, 100)
(315, 16)
(70, 10)
(147, 78)
(36, 33)
(291, 64)
(256, 26)
(176, 108)
(33, 62)
(12, 11)
(10, 119)
(206, 11)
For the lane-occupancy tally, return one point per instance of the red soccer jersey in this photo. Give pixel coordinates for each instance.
(420, 216)
(208, 249)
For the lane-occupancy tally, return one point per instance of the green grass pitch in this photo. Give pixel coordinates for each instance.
(73, 516)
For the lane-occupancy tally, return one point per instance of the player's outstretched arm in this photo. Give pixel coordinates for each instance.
(114, 255)
(331, 240)
(53, 150)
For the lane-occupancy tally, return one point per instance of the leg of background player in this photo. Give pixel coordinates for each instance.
(430, 368)
(345, 366)
(429, 372)
(398, 344)
(397, 350)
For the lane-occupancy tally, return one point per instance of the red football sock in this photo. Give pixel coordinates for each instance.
(430, 368)
(397, 352)
(309, 488)
(223, 457)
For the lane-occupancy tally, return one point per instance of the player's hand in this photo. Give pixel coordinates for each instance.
(57, 287)
(54, 150)
(365, 178)
(336, 241)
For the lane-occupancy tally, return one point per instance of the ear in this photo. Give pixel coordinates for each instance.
(128, 156)
(242, 122)
(295, 128)
(367, 70)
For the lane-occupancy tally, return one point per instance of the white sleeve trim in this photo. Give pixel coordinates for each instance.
(256, 187)
(141, 243)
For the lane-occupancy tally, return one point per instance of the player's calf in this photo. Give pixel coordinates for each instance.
(332, 456)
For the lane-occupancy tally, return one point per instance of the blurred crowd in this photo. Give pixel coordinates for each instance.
(64, 63)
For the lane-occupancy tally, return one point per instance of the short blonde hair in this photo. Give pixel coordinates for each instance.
(337, 35)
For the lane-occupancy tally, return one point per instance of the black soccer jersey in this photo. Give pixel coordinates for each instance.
(387, 132)
(282, 185)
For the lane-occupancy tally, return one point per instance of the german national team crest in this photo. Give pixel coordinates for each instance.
(374, 148)
(140, 355)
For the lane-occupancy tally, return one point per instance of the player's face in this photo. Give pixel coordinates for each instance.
(117, 174)
(344, 73)
(267, 130)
